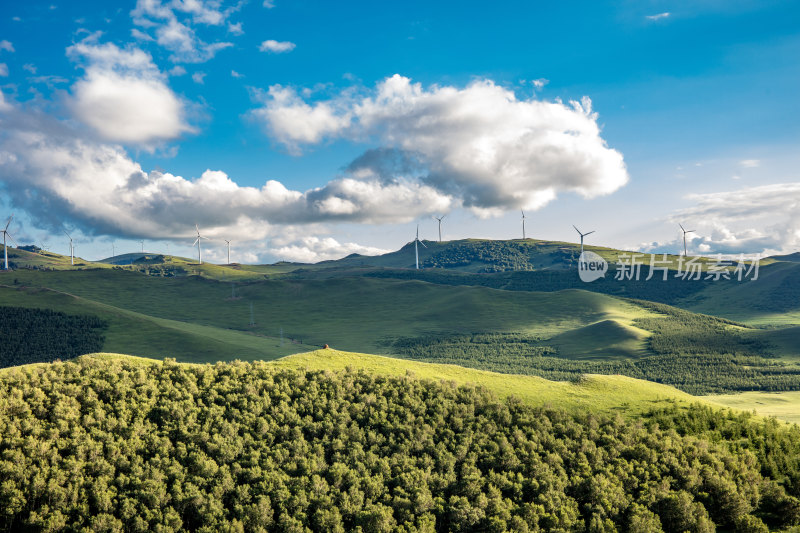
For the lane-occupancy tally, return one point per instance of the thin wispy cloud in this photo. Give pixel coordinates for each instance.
(173, 23)
(762, 219)
(277, 47)
(659, 16)
(750, 163)
(6, 45)
(236, 29)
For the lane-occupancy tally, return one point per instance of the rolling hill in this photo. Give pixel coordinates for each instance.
(458, 312)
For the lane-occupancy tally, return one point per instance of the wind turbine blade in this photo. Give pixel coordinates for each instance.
(585, 234)
(576, 229)
(10, 237)
(423, 244)
(195, 241)
(9, 221)
(67, 234)
(691, 231)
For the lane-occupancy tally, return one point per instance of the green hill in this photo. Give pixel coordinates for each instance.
(593, 392)
(350, 313)
(773, 299)
(558, 335)
(150, 336)
(131, 446)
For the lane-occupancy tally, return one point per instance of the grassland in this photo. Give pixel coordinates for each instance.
(596, 393)
(145, 335)
(781, 405)
(202, 312)
(349, 313)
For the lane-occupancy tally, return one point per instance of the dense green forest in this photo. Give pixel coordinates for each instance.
(121, 446)
(42, 335)
(698, 354)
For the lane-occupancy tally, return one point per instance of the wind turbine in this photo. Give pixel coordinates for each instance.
(7, 234)
(197, 242)
(229, 250)
(685, 231)
(71, 249)
(142, 243)
(416, 248)
(440, 225)
(523, 223)
(582, 236)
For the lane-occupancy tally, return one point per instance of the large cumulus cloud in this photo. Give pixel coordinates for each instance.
(480, 144)
(58, 176)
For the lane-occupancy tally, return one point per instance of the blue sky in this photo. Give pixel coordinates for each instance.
(310, 130)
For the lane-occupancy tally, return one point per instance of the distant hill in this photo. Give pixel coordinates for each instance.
(794, 258)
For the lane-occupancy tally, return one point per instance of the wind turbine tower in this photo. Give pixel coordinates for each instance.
(685, 231)
(582, 236)
(229, 250)
(523, 223)
(142, 243)
(416, 248)
(197, 242)
(7, 234)
(440, 225)
(71, 249)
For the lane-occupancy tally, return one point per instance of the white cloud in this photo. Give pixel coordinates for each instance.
(57, 176)
(276, 47)
(140, 35)
(6, 45)
(30, 67)
(177, 70)
(3, 69)
(236, 29)
(236, 74)
(314, 249)
(269, 4)
(658, 16)
(4, 106)
(177, 35)
(479, 144)
(763, 219)
(123, 96)
(50, 81)
(199, 77)
(750, 163)
(292, 121)
(541, 82)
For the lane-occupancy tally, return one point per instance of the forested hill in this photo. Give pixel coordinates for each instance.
(121, 446)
